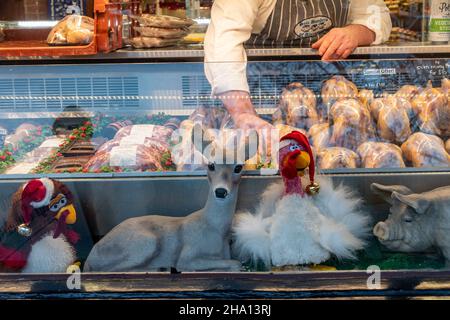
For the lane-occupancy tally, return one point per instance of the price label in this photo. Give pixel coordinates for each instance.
(145, 130)
(123, 156)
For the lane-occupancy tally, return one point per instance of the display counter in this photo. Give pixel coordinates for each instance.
(195, 52)
(104, 125)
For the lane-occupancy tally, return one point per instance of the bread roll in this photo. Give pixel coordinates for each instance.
(81, 36)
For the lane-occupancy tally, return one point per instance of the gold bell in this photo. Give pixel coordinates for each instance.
(24, 230)
(313, 189)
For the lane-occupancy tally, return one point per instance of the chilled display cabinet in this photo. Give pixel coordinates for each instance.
(70, 119)
(100, 170)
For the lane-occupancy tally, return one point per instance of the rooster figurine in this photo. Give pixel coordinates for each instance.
(36, 237)
(294, 227)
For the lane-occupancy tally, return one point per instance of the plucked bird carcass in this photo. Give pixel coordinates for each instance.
(391, 115)
(334, 89)
(380, 155)
(319, 135)
(408, 92)
(425, 150)
(297, 107)
(433, 111)
(37, 237)
(337, 158)
(292, 226)
(350, 124)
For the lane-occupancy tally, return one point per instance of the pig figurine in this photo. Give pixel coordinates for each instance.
(417, 221)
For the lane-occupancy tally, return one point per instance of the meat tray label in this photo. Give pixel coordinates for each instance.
(145, 130)
(132, 140)
(123, 156)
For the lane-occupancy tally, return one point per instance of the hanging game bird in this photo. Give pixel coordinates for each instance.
(36, 237)
(291, 227)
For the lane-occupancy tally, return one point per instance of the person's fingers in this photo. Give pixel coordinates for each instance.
(325, 45)
(347, 53)
(331, 50)
(318, 43)
(342, 48)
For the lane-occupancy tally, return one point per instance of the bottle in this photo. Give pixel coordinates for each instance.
(193, 9)
(439, 23)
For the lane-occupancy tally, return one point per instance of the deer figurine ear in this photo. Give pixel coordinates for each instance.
(250, 147)
(385, 192)
(415, 201)
(200, 140)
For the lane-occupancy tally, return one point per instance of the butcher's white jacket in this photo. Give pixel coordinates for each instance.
(234, 21)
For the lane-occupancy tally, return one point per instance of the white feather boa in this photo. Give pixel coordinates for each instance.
(292, 230)
(50, 255)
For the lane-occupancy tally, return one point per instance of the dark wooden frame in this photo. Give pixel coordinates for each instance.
(302, 285)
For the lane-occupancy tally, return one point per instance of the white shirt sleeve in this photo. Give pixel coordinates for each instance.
(374, 14)
(225, 58)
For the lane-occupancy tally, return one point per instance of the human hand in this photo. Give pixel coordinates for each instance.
(242, 111)
(339, 43)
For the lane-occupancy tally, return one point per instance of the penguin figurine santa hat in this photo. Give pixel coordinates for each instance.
(296, 226)
(37, 237)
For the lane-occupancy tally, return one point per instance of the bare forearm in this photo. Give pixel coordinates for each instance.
(237, 102)
(364, 35)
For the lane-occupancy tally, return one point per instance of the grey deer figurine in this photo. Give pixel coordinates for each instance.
(417, 221)
(197, 242)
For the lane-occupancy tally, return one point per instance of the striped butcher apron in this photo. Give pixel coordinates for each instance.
(297, 23)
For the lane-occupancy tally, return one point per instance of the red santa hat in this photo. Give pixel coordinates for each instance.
(300, 139)
(36, 194)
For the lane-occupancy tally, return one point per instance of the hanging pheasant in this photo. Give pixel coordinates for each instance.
(36, 237)
(293, 226)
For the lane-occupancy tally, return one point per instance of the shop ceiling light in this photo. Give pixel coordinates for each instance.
(37, 24)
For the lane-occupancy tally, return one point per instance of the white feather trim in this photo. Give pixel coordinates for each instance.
(49, 189)
(50, 255)
(303, 230)
(337, 239)
(294, 232)
(342, 205)
(252, 238)
(269, 199)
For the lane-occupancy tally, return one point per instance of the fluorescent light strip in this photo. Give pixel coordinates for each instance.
(37, 24)
(202, 20)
